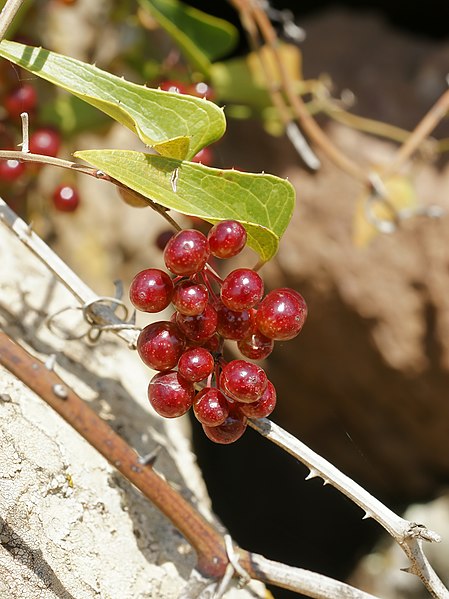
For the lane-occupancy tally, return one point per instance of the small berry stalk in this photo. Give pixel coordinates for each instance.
(187, 350)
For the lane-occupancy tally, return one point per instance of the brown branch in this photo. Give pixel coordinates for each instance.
(208, 543)
(249, 11)
(421, 131)
(22, 156)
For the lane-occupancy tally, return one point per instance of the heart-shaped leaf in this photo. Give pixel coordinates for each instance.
(262, 203)
(201, 37)
(175, 125)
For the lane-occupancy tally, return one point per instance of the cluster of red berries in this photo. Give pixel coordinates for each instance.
(43, 140)
(187, 349)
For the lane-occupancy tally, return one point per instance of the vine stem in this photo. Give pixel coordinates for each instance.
(103, 315)
(209, 544)
(7, 15)
(251, 12)
(409, 535)
(421, 131)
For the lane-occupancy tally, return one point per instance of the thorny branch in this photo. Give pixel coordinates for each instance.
(409, 535)
(208, 543)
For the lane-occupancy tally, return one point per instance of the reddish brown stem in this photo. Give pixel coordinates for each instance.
(208, 543)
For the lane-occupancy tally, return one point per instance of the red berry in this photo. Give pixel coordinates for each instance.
(233, 324)
(204, 156)
(160, 345)
(242, 289)
(227, 239)
(213, 344)
(198, 328)
(170, 395)
(151, 290)
(187, 252)
(256, 346)
(281, 314)
(22, 99)
(196, 364)
(243, 381)
(263, 406)
(45, 141)
(210, 406)
(66, 198)
(201, 90)
(190, 298)
(163, 238)
(232, 428)
(11, 170)
(173, 87)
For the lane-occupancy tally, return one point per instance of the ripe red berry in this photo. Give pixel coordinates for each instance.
(196, 364)
(160, 345)
(201, 90)
(11, 170)
(204, 156)
(214, 344)
(226, 239)
(210, 406)
(173, 87)
(198, 328)
(170, 395)
(66, 198)
(242, 289)
(232, 428)
(151, 290)
(187, 252)
(243, 381)
(281, 314)
(263, 406)
(256, 346)
(21, 99)
(163, 238)
(232, 324)
(45, 141)
(190, 298)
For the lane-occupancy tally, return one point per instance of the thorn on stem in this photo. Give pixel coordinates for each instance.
(312, 474)
(150, 458)
(60, 391)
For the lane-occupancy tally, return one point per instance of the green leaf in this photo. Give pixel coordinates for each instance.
(173, 124)
(201, 37)
(262, 203)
